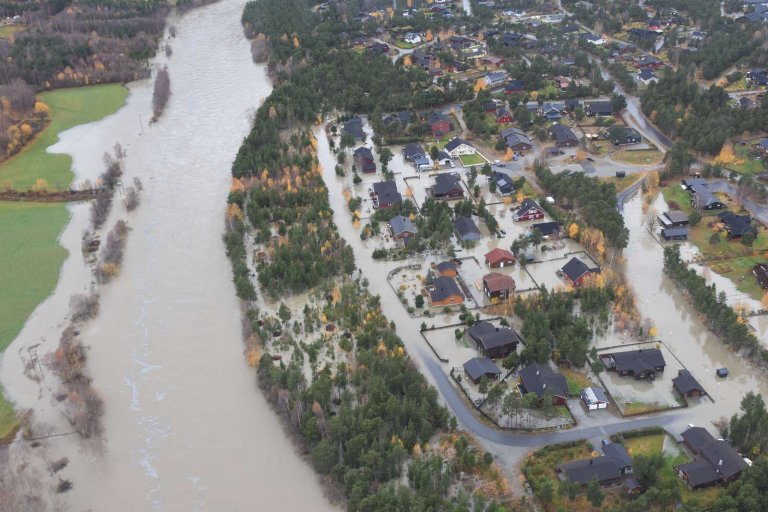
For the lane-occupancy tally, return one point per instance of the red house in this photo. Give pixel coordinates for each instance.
(529, 210)
(503, 116)
(439, 124)
(498, 257)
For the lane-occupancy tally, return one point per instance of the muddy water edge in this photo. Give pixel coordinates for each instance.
(185, 427)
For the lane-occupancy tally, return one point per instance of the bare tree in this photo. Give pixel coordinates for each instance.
(259, 50)
(132, 198)
(100, 208)
(168, 50)
(161, 93)
(83, 306)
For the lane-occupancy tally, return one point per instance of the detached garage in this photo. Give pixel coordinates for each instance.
(594, 398)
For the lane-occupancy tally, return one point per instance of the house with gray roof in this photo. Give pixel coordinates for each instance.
(466, 229)
(643, 363)
(385, 194)
(537, 378)
(715, 461)
(608, 469)
(479, 367)
(401, 227)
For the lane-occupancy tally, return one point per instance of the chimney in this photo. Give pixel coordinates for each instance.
(720, 463)
(590, 462)
(544, 386)
(537, 372)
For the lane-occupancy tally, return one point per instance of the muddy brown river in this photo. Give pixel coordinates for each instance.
(185, 427)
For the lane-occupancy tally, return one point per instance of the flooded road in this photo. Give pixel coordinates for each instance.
(681, 328)
(185, 427)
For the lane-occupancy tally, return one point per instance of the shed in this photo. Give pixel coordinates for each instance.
(594, 398)
(479, 367)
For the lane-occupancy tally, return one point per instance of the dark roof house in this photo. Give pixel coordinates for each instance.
(447, 186)
(466, 229)
(687, 385)
(737, 225)
(354, 127)
(503, 183)
(479, 367)
(386, 194)
(575, 271)
(563, 135)
(401, 227)
(364, 159)
(715, 462)
(412, 150)
(445, 292)
(539, 379)
(529, 210)
(493, 342)
(599, 108)
(608, 469)
(642, 363)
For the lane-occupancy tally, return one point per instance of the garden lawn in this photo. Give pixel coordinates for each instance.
(8, 419)
(674, 193)
(576, 381)
(747, 164)
(739, 271)
(476, 159)
(68, 107)
(639, 157)
(6, 31)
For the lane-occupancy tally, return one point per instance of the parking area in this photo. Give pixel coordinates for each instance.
(635, 397)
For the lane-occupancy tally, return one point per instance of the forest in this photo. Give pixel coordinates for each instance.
(596, 202)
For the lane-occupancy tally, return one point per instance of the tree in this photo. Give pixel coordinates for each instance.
(748, 239)
(161, 92)
(618, 102)
(694, 218)
(547, 490)
(419, 301)
(434, 153)
(595, 493)
(385, 156)
(714, 239)
(357, 179)
(284, 313)
(483, 387)
(579, 113)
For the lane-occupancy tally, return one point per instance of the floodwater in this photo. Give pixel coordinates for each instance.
(681, 328)
(185, 427)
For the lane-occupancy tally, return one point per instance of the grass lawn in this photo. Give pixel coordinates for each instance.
(8, 419)
(31, 257)
(476, 159)
(576, 381)
(622, 183)
(674, 193)
(639, 157)
(739, 271)
(405, 46)
(645, 445)
(7, 31)
(739, 85)
(747, 163)
(69, 107)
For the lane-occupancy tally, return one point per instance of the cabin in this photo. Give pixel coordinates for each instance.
(563, 136)
(576, 271)
(552, 111)
(503, 183)
(364, 160)
(493, 342)
(445, 292)
(715, 461)
(737, 226)
(598, 108)
(687, 385)
(537, 378)
(642, 364)
(760, 271)
(412, 151)
(466, 229)
(447, 186)
(457, 147)
(385, 194)
(674, 234)
(704, 199)
(499, 258)
(401, 228)
(529, 210)
(594, 398)
(517, 140)
(503, 115)
(498, 287)
(495, 62)
(646, 76)
(674, 219)
(514, 87)
(354, 127)
(478, 367)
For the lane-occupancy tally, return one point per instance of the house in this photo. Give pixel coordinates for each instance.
(498, 287)
(745, 103)
(643, 33)
(514, 86)
(548, 50)
(364, 159)
(689, 183)
(670, 234)
(757, 77)
(632, 487)
(529, 210)
(760, 272)
(572, 104)
(511, 38)
(447, 268)
(643, 364)
(538, 379)
(421, 163)
(401, 228)
(547, 229)
(493, 342)
(412, 151)
(598, 108)
(494, 79)
(576, 271)
(503, 182)
(354, 127)
(704, 199)
(593, 39)
(648, 62)
(447, 186)
(495, 62)
(456, 147)
(562, 82)
(608, 469)
(412, 38)
(625, 135)
(385, 194)
(762, 146)
(439, 124)
(490, 106)
(499, 258)
(517, 140)
(594, 398)
(686, 385)
(466, 229)
(563, 135)
(715, 461)
(674, 219)
(479, 367)
(737, 225)
(503, 115)
(646, 76)
(445, 292)
(379, 48)
(404, 118)
(552, 111)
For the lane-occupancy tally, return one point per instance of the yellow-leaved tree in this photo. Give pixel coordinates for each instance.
(573, 230)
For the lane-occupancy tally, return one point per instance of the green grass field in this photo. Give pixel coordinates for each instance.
(69, 107)
(8, 419)
(476, 159)
(639, 157)
(747, 164)
(30, 258)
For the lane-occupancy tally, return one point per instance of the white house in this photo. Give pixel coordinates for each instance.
(594, 398)
(412, 38)
(495, 79)
(457, 147)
